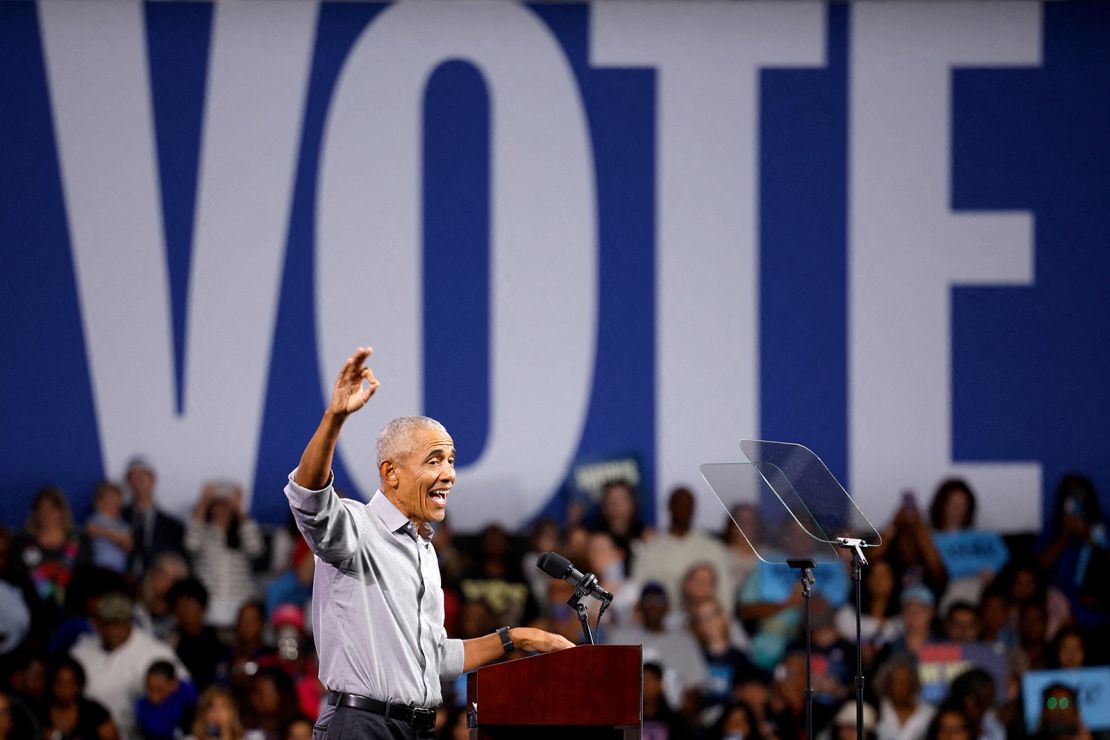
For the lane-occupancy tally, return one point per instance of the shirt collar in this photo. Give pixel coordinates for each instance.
(390, 515)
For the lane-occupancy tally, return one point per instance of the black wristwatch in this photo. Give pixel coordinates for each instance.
(506, 641)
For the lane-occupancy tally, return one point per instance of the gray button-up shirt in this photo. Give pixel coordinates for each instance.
(377, 601)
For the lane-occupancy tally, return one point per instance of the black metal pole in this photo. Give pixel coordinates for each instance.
(807, 580)
(857, 578)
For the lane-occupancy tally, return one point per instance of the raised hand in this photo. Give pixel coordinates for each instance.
(355, 384)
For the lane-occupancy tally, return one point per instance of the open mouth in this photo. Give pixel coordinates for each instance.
(439, 496)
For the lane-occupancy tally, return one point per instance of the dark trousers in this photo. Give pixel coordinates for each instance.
(357, 724)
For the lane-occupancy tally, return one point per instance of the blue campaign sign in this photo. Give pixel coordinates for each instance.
(970, 552)
(572, 232)
(1091, 684)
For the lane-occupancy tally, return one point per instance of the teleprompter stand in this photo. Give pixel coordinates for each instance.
(800, 503)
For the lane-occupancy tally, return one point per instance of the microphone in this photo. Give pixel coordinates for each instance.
(557, 566)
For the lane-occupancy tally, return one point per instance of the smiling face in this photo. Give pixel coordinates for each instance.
(419, 480)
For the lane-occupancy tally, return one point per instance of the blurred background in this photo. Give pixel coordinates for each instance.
(602, 243)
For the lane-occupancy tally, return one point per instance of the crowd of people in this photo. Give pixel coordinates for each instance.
(133, 624)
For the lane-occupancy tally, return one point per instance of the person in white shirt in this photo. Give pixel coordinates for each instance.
(116, 658)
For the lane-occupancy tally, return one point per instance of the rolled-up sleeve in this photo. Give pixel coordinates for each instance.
(451, 659)
(325, 521)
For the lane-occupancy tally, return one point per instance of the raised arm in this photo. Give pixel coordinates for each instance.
(353, 388)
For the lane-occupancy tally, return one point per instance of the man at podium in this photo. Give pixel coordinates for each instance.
(377, 604)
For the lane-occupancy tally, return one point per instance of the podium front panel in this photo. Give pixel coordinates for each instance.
(586, 686)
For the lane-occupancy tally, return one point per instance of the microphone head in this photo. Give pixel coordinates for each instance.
(554, 565)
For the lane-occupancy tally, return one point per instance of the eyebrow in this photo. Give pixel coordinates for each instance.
(439, 452)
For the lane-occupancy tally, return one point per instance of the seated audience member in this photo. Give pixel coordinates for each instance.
(1032, 632)
(971, 557)
(271, 704)
(543, 538)
(619, 517)
(961, 623)
(152, 530)
(299, 728)
(605, 559)
(788, 698)
(249, 649)
(1060, 717)
(661, 722)
(974, 691)
(109, 535)
(1076, 559)
(27, 679)
(995, 627)
(755, 691)
(772, 600)
(68, 712)
(742, 529)
(196, 643)
(908, 547)
(51, 549)
(217, 716)
(294, 584)
(1068, 649)
(677, 651)
(737, 722)
(153, 612)
(902, 713)
(843, 725)
(669, 555)
(495, 577)
(19, 604)
(880, 602)
(15, 618)
(726, 664)
(918, 613)
(834, 659)
(7, 723)
(168, 700)
(701, 584)
(950, 723)
(223, 540)
(116, 657)
(296, 658)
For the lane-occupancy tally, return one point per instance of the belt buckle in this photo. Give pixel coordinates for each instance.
(423, 719)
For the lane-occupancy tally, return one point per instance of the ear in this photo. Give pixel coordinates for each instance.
(387, 471)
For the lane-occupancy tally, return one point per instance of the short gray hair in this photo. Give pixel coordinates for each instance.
(396, 439)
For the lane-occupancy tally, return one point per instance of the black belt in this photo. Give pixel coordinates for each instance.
(418, 717)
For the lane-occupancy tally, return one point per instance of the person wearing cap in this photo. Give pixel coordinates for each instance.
(116, 657)
(843, 726)
(377, 606)
(152, 530)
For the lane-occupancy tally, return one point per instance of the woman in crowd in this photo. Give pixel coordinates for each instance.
(223, 541)
(51, 549)
(908, 547)
(271, 704)
(880, 602)
(741, 532)
(68, 712)
(902, 714)
(619, 517)
(217, 716)
(1076, 559)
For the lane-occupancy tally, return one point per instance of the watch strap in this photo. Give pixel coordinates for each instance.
(506, 641)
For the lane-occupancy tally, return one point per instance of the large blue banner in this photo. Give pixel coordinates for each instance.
(571, 232)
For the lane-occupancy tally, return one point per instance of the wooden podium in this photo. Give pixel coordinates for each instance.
(588, 692)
